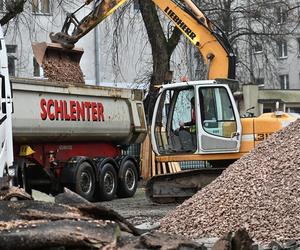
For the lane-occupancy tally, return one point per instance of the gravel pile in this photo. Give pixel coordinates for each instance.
(62, 68)
(260, 193)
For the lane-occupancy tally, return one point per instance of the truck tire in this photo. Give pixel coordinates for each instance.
(85, 182)
(128, 180)
(107, 182)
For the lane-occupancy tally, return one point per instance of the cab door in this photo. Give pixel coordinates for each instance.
(219, 126)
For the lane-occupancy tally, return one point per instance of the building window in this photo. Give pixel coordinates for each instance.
(257, 48)
(37, 70)
(259, 81)
(294, 110)
(284, 81)
(2, 6)
(282, 49)
(11, 65)
(236, 51)
(267, 110)
(41, 6)
(298, 44)
(136, 5)
(11, 59)
(231, 24)
(11, 49)
(281, 13)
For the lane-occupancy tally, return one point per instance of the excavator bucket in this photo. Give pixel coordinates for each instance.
(59, 63)
(42, 50)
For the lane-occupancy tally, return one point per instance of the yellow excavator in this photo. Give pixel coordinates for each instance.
(193, 120)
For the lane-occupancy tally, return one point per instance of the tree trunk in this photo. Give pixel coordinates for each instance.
(13, 8)
(162, 49)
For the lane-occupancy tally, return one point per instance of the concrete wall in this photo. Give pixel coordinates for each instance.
(265, 99)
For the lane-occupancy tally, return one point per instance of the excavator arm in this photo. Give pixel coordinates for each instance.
(100, 11)
(186, 16)
(207, 37)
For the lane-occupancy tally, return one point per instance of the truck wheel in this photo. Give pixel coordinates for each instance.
(107, 182)
(128, 180)
(85, 181)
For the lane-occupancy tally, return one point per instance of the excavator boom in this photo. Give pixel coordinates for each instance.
(186, 16)
(207, 37)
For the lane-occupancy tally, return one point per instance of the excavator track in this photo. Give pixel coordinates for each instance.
(175, 188)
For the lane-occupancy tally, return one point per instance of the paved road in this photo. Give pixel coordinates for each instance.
(137, 209)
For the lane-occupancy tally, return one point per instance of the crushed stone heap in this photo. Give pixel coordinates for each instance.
(260, 193)
(62, 68)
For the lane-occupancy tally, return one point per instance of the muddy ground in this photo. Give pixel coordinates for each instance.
(137, 210)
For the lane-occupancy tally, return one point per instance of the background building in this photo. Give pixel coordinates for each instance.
(117, 51)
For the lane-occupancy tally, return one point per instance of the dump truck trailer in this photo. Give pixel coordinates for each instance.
(73, 136)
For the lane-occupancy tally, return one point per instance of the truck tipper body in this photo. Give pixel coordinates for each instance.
(73, 136)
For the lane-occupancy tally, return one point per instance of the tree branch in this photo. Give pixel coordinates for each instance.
(13, 8)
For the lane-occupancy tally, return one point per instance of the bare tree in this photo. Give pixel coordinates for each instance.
(255, 28)
(13, 8)
(162, 49)
(162, 41)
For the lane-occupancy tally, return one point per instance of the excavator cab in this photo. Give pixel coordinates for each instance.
(196, 118)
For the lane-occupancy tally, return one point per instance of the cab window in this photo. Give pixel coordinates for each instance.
(216, 111)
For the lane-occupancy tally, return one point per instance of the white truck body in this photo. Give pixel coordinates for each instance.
(56, 112)
(6, 146)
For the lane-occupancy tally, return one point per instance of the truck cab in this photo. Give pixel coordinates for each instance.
(197, 117)
(6, 147)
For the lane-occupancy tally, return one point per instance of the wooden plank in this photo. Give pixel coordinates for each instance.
(158, 165)
(177, 167)
(194, 157)
(171, 164)
(168, 167)
(164, 168)
(153, 163)
(149, 164)
(145, 158)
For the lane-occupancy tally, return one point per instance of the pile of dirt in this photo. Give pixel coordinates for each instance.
(260, 192)
(62, 68)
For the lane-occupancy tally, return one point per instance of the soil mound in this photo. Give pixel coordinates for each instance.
(260, 193)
